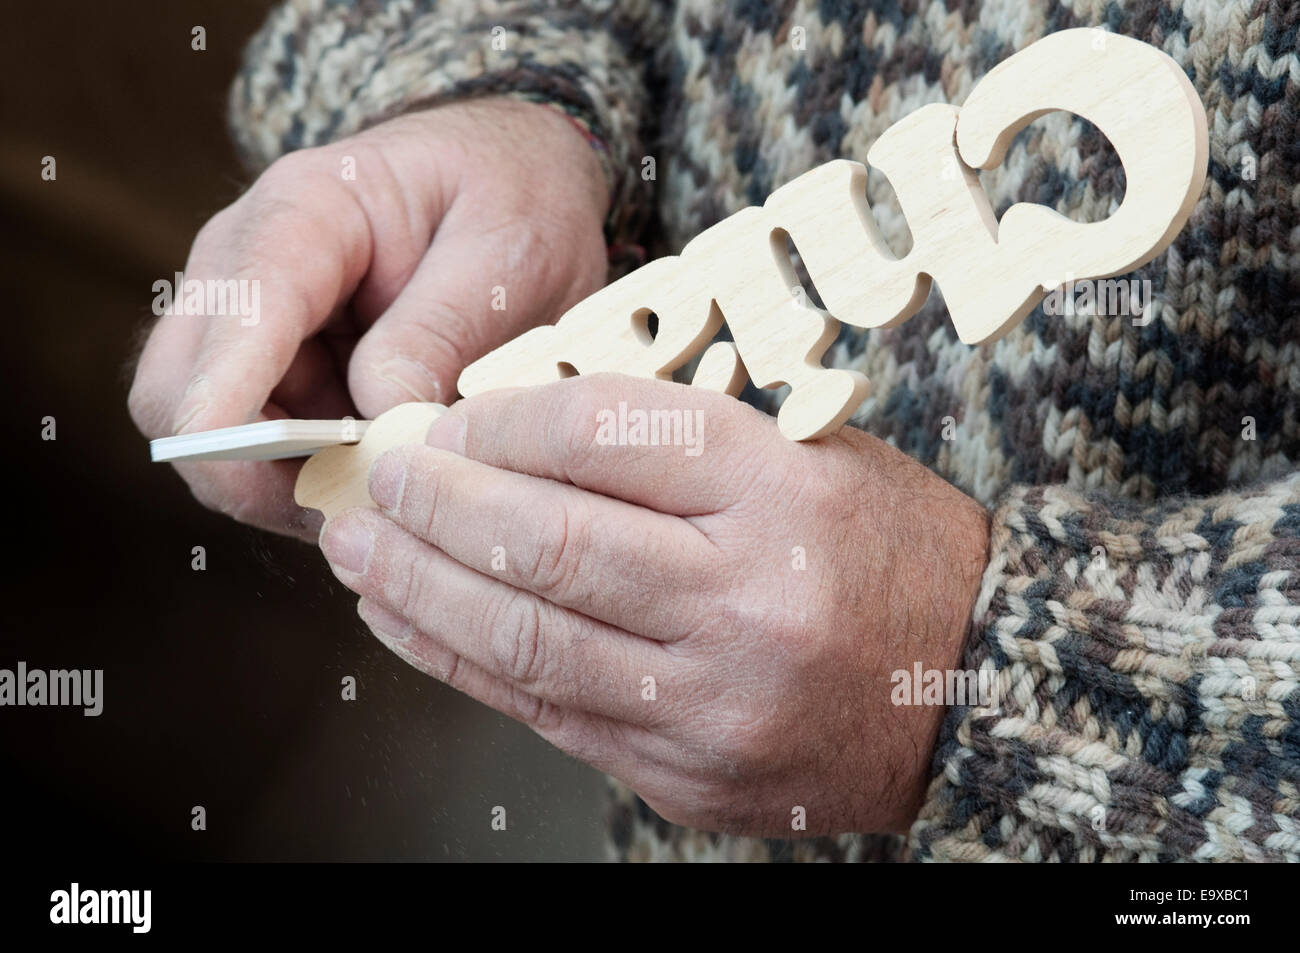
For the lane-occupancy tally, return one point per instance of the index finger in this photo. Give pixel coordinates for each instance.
(682, 450)
(288, 270)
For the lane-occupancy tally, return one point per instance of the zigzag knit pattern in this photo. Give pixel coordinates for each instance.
(1140, 607)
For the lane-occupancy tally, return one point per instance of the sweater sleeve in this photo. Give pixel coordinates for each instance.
(320, 70)
(1146, 664)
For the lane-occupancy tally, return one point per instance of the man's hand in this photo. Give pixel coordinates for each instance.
(716, 628)
(463, 227)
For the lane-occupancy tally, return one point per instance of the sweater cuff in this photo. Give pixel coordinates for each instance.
(321, 70)
(1146, 674)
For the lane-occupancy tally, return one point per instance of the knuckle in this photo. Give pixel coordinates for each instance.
(572, 420)
(447, 337)
(451, 672)
(782, 623)
(532, 238)
(420, 505)
(560, 552)
(531, 710)
(413, 591)
(749, 748)
(524, 238)
(515, 641)
(746, 740)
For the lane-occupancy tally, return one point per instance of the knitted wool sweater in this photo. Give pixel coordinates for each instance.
(1142, 596)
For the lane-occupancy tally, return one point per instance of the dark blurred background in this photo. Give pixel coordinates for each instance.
(222, 688)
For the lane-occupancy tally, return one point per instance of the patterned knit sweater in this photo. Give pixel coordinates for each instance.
(1142, 597)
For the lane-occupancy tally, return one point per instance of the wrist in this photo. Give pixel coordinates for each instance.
(934, 599)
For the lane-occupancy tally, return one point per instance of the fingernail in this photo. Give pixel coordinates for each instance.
(413, 377)
(388, 626)
(346, 542)
(387, 481)
(192, 402)
(447, 433)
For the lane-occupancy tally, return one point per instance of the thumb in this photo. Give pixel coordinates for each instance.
(476, 288)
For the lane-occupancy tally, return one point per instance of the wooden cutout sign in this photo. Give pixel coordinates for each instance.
(992, 273)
